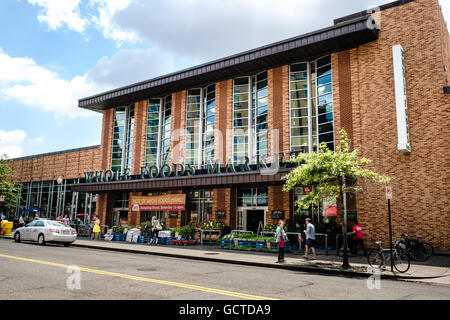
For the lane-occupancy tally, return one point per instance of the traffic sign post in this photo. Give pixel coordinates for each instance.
(389, 197)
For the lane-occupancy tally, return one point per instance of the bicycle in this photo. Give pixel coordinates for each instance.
(379, 257)
(417, 250)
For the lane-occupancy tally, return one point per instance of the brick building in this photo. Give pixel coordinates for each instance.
(384, 76)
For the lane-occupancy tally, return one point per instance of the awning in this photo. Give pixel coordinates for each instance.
(222, 180)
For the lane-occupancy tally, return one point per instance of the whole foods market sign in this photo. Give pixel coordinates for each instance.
(158, 203)
(178, 170)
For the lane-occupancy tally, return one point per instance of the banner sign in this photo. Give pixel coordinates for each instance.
(169, 202)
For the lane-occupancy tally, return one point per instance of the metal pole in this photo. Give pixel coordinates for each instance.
(390, 235)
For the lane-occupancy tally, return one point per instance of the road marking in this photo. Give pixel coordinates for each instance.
(143, 279)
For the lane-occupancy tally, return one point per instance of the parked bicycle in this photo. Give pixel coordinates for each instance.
(416, 249)
(380, 257)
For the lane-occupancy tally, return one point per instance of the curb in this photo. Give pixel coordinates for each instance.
(304, 268)
(259, 264)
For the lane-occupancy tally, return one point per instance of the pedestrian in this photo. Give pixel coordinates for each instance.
(96, 229)
(36, 216)
(310, 239)
(358, 238)
(66, 220)
(21, 221)
(281, 237)
(155, 229)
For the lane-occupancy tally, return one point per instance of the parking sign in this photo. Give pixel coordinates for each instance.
(388, 192)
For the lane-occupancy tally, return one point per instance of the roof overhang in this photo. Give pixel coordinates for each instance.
(186, 182)
(343, 36)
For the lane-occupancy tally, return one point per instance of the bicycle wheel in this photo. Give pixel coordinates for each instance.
(427, 249)
(401, 261)
(375, 259)
(418, 254)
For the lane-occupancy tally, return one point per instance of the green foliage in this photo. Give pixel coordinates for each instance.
(271, 227)
(326, 170)
(185, 232)
(215, 225)
(7, 188)
(247, 236)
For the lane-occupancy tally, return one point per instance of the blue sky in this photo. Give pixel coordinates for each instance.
(54, 52)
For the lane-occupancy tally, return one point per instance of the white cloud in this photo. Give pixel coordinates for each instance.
(130, 66)
(10, 142)
(57, 13)
(23, 80)
(104, 21)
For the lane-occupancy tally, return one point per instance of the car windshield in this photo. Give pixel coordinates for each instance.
(56, 224)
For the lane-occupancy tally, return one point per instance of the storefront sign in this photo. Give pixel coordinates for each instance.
(173, 214)
(307, 190)
(221, 214)
(179, 169)
(277, 214)
(158, 203)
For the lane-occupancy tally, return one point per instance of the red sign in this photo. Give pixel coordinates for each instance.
(388, 192)
(307, 190)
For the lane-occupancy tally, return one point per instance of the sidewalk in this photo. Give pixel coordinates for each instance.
(435, 270)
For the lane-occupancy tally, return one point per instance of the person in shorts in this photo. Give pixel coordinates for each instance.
(310, 233)
(155, 230)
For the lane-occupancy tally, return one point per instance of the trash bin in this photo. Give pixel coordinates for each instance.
(6, 227)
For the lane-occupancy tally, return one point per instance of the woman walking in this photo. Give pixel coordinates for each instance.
(96, 229)
(155, 228)
(281, 239)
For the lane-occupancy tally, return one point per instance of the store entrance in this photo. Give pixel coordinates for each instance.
(254, 218)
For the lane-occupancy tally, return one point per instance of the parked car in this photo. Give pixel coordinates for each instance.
(43, 231)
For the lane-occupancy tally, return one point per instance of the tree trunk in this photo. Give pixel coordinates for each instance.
(345, 263)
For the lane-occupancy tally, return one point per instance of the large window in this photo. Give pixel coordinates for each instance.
(311, 105)
(201, 204)
(122, 152)
(157, 146)
(250, 111)
(252, 197)
(200, 115)
(51, 200)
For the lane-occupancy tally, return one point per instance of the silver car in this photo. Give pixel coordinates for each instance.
(44, 231)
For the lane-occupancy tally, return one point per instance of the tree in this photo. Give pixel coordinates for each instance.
(332, 175)
(7, 189)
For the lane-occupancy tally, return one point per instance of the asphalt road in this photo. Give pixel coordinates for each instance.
(30, 271)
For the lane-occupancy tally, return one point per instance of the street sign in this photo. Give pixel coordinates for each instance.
(2, 198)
(388, 192)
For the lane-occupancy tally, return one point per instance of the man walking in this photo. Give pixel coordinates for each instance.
(310, 239)
(358, 238)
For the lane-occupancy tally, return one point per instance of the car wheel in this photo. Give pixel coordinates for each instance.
(66, 244)
(17, 237)
(41, 239)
